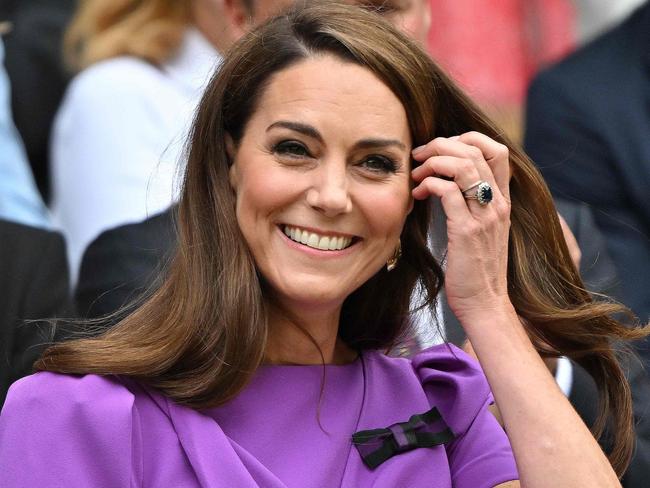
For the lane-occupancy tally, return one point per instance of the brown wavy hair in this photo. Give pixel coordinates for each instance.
(202, 334)
(148, 29)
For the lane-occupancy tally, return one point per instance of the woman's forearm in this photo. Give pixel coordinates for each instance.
(552, 446)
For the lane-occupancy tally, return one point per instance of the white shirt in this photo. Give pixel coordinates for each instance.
(118, 140)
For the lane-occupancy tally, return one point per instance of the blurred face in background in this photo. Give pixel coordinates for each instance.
(412, 17)
(225, 21)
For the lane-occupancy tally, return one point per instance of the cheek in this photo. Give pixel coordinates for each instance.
(387, 209)
(261, 192)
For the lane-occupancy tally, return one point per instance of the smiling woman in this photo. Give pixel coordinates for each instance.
(303, 229)
(323, 163)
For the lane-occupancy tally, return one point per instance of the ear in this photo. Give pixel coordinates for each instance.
(231, 151)
(411, 203)
(239, 15)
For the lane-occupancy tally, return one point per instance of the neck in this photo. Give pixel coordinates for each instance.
(307, 336)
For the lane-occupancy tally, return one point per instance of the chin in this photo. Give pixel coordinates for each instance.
(311, 294)
(314, 298)
(315, 290)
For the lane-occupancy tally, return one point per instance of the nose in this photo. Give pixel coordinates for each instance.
(329, 193)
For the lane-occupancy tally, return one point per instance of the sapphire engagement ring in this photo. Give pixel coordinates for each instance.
(480, 191)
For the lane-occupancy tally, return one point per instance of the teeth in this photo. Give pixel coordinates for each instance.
(324, 243)
(316, 241)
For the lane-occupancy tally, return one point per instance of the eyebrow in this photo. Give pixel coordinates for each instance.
(312, 132)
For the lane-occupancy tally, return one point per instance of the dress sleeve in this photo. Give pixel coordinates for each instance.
(68, 431)
(480, 456)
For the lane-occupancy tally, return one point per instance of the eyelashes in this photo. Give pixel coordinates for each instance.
(291, 148)
(380, 163)
(374, 163)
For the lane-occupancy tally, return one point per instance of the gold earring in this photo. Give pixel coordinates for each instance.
(392, 262)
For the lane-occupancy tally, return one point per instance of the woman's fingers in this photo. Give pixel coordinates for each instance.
(452, 200)
(490, 157)
(496, 155)
(462, 170)
(477, 233)
(466, 153)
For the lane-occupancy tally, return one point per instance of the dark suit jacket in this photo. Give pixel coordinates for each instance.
(121, 264)
(588, 130)
(33, 285)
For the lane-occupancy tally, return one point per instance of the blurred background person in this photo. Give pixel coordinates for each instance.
(33, 268)
(492, 49)
(121, 264)
(38, 78)
(33, 287)
(588, 129)
(20, 200)
(118, 136)
(597, 16)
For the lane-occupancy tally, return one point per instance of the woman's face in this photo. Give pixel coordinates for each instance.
(322, 178)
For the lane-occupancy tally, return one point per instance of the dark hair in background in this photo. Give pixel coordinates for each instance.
(201, 336)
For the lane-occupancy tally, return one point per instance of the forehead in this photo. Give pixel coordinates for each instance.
(335, 94)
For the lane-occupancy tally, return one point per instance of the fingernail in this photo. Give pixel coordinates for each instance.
(454, 138)
(417, 150)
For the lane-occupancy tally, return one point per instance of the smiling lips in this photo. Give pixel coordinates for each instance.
(317, 241)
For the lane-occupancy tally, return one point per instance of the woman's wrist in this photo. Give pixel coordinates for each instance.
(478, 316)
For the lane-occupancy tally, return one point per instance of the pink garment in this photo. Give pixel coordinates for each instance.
(492, 49)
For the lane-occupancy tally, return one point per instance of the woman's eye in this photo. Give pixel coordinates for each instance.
(291, 148)
(379, 164)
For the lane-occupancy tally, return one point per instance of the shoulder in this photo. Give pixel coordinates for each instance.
(150, 234)
(596, 68)
(447, 362)
(81, 429)
(123, 262)
(454, 382)
(15, 231)
(125, 84)
(450, 379)
(123, 73)
(131, 250)
(88, 397)
(24, 247)
(102, 407)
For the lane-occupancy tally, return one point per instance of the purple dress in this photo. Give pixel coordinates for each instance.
(290, 427)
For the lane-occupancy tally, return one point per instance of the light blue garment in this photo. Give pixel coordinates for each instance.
(20, 200)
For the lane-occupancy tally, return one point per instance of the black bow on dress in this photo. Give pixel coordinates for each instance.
(423, 430)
